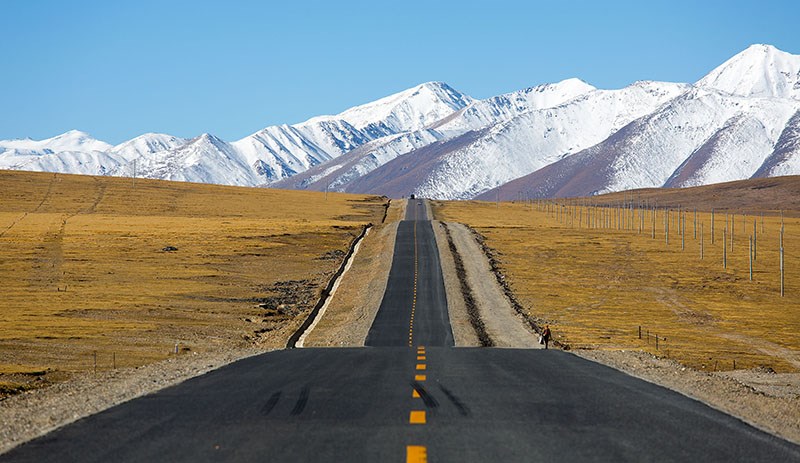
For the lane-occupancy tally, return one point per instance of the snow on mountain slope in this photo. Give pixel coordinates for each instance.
(785, 158)
(483, 113)
(266, 156)
(72, 162)
(205, 159)
(537, 138)
(402, 175)
(145, 144)
(733, 153)
(760, 71)
(693, 139)
(71, 152)
(405, 111)
(280, 152)
(71, 141)
(678, 131)
(337, 174)
(478, 115)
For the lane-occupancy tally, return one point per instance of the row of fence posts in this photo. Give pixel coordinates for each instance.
(176, 351)
(648, 335)
(624, 217)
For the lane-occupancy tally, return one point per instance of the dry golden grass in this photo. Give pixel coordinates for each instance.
(760, 194)
(82, 267)
(597, 286)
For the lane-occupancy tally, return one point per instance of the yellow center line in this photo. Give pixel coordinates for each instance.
(416, 454)
(416, 276)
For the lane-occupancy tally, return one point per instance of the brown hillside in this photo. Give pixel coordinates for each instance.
(128, 270)
(768, 195)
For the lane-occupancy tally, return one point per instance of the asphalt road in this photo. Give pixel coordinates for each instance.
(403, 403)
(414, 307)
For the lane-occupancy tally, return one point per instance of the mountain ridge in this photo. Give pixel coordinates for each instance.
(564, 138)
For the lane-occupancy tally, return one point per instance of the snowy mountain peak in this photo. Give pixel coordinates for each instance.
(207, 139)
(75, 140)
(147, 143)
(409, 110)
(573, 85)
(760, 71)
(72, 141)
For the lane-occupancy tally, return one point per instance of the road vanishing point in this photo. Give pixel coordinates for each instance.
(410, 396)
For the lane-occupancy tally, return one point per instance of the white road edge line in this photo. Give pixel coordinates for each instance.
(301, 342)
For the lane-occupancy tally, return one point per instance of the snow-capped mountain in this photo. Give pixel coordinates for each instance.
(266, 156)
(568, 138)
(535, 139)
(147, 144)
(711, 133)
(72, 141)
(484, 113)
(760, 71)
(71, 152)
(477, 115)
(205, 159)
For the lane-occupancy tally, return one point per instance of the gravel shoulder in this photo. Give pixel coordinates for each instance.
(463, 333)
(355, 303)
(503, 324)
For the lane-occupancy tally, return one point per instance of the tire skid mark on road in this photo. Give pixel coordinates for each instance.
(421, 393)
(461, 406)
(301, 401)
(270, 405)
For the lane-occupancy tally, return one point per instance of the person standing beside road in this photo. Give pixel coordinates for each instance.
(546, 335)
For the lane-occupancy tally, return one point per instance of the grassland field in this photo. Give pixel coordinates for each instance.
(123, 271)
(597, 285)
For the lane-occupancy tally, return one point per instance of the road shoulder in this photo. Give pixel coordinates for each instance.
(355, 304)
(505, 327)
(463, 333)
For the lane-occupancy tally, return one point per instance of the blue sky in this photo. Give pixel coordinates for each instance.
(117, 69)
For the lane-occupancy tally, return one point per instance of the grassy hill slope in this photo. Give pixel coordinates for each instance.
(126, 270)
